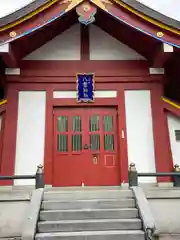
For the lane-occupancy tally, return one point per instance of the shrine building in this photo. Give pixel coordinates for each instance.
(88, 87)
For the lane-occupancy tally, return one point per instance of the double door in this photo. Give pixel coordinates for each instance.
(85, 147)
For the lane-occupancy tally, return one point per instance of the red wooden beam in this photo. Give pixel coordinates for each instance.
(161, 55)
(84, 42)
(101, 68)
(8, 55)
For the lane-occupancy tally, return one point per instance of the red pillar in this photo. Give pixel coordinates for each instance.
(163, 156)
(123, 155)
(10, 130)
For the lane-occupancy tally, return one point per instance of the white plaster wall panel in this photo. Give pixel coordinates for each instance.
(30, 134)
(174, 124)
(72, 94)
(105, 47)
(66, 46)
(4, 48)
(140, 132)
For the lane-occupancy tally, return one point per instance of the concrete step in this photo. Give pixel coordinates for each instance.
(80, 214)
(95, 194)
(85, 188)
(89, 225)
(92, 204)
(93, 235)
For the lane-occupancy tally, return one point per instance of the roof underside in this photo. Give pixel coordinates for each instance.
(40, 13)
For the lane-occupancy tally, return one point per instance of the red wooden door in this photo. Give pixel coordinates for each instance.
(85, 147)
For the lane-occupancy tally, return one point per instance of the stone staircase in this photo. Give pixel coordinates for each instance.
(95, 214)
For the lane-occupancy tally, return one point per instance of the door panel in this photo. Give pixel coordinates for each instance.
(85, 149)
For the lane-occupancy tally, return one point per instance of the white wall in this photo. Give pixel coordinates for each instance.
(66, 46)
(105, 47)
(139, 132)
(97, 94)
(174, 124)
(30, 133)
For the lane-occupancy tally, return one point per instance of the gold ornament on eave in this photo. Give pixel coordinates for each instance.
(160, 34)
(12, 34)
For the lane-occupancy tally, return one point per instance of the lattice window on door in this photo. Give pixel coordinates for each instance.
(62, 124)
(95, 142)
(62, 137)
(94, 123)
(62, 143)
(76, 134)
(94, 128)
(108, 123)
(108, 133)
(108, 142)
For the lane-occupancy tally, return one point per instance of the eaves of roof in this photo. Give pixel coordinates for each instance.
(152, 13)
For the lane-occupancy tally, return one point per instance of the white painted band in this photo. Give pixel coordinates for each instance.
(72, 94)
(12, 71)
(159, 71)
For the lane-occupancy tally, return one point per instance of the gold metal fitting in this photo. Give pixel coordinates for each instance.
(160, 34)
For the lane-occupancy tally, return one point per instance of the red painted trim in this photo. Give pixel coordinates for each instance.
(122, 141)
(65, 80)
(10, 58)
(162, 147)
(100, 68)
(2, 136)
(72, 102)
(159, 58)
(168, 107)
(10, 130)
(72, 86)
(84, 42)
(48, 151)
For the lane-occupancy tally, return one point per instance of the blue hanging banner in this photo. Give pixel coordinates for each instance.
(85, 87)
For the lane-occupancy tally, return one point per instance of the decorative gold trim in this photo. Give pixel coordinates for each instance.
(12, 34)
(3, 102)
(160, 34)
(93, 86)
(171, 103)
(28, 16)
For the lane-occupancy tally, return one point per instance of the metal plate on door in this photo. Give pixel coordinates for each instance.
(86, 146)
(95, 160)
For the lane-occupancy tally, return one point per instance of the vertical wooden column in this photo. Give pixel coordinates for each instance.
(48, 153)
(84, 42)
(2, 115)
(163, 156)
(123, 155)
(10, 132)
